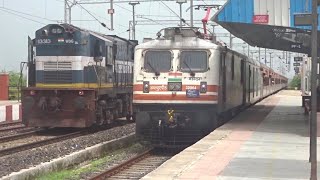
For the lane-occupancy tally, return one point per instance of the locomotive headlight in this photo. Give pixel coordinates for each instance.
(32, 92)
(146, 86)
(44, 32)
(203, 87)
(81, 93)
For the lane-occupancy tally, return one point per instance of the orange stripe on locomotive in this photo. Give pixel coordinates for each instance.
(139, 87)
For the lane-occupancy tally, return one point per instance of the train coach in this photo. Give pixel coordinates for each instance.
(185, 86)
(77, 78)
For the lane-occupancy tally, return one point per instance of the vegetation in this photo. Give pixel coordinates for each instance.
(96, 165)
(14, 83)
(296, 82)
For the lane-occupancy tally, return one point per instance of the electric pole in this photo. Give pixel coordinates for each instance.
(230, 36)
(265, 56)
(180, 14)
(191, 13)
(259, 55)
(270, 59)
(133, 19)
(111, 12)
(180, 2)
(314, 93)
(67, 10)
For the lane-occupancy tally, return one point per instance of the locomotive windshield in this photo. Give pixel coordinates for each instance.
(193, 61)
(157, 61)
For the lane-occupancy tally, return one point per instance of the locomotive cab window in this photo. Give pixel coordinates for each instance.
(157, 61)
(195, 61)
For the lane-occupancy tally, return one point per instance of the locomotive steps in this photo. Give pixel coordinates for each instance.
(73, 159)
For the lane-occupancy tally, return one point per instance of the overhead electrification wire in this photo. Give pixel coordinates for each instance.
(123, 7)
(151, 15)
(170, 9)
(118, 34)
(31, 15)
(141, 1)
(103, 24)
(136, 29)
(12, 13)
(175, 14)
(152, 21)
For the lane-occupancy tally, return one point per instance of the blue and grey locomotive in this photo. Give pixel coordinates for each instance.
(77, 78)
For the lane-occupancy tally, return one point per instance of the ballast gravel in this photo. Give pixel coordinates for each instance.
(33, 157)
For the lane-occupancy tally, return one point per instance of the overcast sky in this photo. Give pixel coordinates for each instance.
(20, 19)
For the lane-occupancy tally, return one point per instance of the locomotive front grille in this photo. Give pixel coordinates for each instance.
(57, 72)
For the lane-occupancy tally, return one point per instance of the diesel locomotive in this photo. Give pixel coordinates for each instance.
(77, 78)
(186, 85)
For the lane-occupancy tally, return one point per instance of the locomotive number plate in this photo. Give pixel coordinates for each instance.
(193, 93)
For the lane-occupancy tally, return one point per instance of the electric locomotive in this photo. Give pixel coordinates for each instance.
(77, 78)
(185, 86)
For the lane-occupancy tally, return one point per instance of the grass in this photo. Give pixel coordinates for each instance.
(75, 173)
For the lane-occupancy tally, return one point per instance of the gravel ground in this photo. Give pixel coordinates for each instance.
(32, 157)
(23, 141)
(15, 131)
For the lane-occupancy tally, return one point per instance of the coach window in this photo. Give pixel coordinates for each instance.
(157, 61)
(195, 61)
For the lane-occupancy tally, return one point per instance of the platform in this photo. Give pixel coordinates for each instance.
(267, 141)
(10, 111)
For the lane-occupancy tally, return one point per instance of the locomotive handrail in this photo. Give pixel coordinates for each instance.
(97, 76)
(20, 78)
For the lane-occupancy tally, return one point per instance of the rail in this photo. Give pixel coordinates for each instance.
(40, 143)
(122, 166)
(140, 165)
(8, 124)
(18, 136)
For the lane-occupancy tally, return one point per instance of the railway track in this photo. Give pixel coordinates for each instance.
(19, 136)
(11, 126)
(23, 147)
(44, 140)
(8, 124)
(138, 166)
(15, 128)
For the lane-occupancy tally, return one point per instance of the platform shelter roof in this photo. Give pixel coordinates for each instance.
(267, 23)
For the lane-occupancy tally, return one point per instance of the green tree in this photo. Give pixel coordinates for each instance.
(14, 79)
(14, 83)
(296, 82)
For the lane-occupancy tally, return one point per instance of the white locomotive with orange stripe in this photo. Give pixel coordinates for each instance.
(185, 86)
